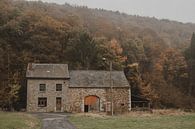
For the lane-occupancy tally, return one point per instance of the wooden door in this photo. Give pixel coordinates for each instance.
(58, 104)
(92, 104)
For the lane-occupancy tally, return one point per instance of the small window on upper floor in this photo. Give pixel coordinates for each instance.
(58, 87)
(42, 87)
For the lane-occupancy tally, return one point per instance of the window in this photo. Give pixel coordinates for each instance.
(42, 102)
(42, 87)
(58, 87)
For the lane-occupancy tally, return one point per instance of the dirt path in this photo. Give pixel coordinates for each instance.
(55, 121)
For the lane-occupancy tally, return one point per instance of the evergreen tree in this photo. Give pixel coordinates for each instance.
(192, 48)
(192, 66)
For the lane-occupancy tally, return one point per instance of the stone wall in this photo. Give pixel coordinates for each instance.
(121, 98)
(73, 98)
(33, 93)
(77, 96)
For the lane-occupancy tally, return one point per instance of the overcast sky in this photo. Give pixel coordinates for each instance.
(180, 10)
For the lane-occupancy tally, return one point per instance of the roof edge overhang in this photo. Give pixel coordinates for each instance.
(50, 78)
(100, 87)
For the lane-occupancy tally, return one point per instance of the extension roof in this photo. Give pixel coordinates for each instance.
(97, 79)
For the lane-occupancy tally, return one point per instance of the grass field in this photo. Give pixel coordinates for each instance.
(184, 121)
(18, 121)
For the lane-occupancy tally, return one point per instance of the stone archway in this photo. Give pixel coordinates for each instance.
(91, 103)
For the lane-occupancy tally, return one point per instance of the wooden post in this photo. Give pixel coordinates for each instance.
(111, 90)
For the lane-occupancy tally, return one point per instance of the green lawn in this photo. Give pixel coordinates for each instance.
(135, 122)
(18, 121)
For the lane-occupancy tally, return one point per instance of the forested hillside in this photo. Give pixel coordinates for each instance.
(156, 54)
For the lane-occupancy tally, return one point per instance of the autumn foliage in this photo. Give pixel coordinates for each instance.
(156, 54)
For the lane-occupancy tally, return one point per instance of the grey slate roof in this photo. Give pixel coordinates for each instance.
(97, 79)
(56, 71)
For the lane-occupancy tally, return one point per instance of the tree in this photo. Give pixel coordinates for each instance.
(13, 90)
(174, 68)
(115, 51)
(193, 46)
(81, 51)
(170, 75)
(134, 50)
(192, 66)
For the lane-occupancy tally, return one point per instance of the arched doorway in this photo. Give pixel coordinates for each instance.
(92, 104)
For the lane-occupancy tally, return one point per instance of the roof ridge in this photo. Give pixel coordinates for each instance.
(100, 70)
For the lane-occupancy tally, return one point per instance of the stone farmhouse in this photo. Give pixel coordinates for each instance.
(54, 88)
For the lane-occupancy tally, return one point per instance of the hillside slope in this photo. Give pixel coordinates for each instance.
(111, 24)
(150, 50)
